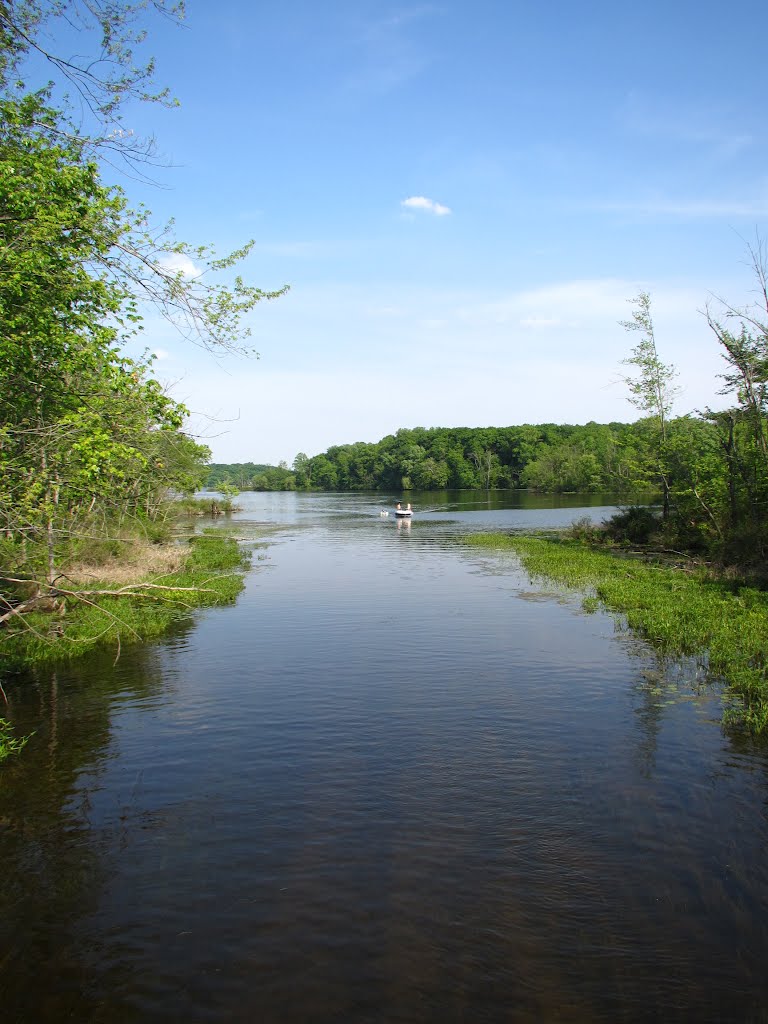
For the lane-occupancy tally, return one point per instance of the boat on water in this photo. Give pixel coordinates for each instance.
(403, 513)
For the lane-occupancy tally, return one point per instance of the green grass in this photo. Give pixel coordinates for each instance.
(681, 612)
(213, 569)
(9, 744)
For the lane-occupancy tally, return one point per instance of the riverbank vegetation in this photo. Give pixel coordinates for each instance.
(92, 449)
(133, 594)
(682, 609)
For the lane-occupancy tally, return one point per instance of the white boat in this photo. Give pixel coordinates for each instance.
(403, 513)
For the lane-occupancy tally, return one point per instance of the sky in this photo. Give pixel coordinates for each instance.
(464, 199)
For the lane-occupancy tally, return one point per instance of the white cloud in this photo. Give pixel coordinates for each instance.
(177, 262)
(422, 203)
(161, 353)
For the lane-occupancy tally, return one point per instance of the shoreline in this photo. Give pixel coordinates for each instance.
(680, 611)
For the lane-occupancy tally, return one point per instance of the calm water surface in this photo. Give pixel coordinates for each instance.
(398, 781)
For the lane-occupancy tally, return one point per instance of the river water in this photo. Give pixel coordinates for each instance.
(397, 781)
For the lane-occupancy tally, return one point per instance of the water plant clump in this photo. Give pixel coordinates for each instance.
(682, 611)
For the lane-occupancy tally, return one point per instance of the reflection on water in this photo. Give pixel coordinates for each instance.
(382, 787)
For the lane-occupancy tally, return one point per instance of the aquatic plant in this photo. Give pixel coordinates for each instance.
(10, 744)
(681, 611)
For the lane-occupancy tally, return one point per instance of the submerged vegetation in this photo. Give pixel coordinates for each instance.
(680, 609)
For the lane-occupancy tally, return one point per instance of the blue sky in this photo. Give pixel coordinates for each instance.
(463, 199)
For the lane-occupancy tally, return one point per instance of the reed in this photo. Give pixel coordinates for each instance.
(680, 611)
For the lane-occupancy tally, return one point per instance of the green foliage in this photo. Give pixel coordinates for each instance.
(88, 434)
(548, 457)
(720, 620)
(585, 531)
(276, 478)
(651, 389)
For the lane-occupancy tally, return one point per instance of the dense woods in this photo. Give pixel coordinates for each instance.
(548, 457)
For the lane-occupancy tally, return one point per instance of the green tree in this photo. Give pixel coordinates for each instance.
(651, 389)
(302, 468)
(743, 338)
(89, 441)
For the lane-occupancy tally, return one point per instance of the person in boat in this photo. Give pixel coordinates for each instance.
(398, 507)
(409, 509)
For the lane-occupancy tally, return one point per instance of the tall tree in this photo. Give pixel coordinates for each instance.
(651, 388)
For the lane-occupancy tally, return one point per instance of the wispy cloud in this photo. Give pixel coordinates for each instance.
(388, 52)
(422, 203)
(715, 129)
(693, 208)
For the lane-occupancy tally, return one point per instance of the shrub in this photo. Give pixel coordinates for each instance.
(584, 530)
(633, 525)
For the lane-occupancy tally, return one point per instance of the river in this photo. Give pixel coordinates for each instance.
(397, 781)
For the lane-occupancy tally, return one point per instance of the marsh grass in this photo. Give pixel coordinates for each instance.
(209, 572)
(687, 612)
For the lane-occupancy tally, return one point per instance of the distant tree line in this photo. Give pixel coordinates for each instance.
(546, 457)
(240, 475)
(707, 470)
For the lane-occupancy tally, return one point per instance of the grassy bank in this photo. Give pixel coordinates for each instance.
(114, 608)
(681, 611)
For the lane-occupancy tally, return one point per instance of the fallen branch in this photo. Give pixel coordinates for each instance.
(134, 590)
